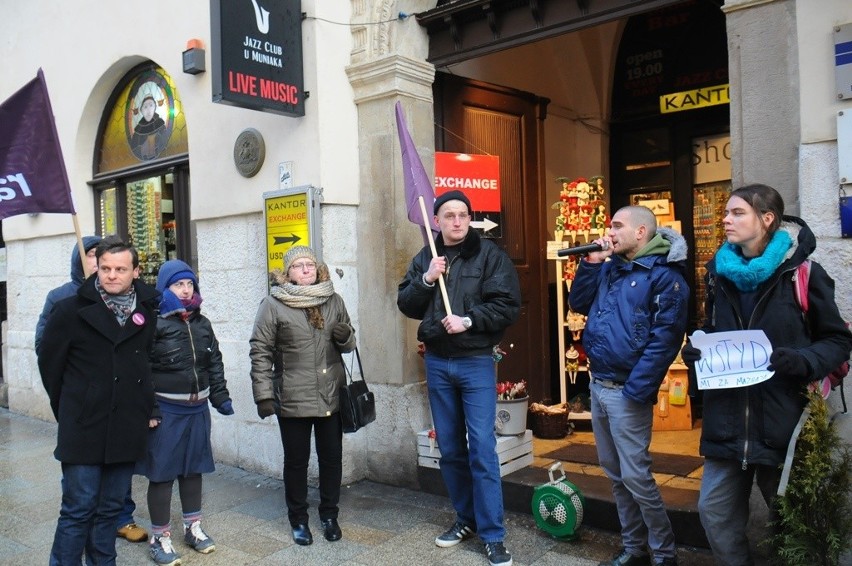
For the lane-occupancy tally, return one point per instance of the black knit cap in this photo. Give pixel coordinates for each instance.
(451, 195)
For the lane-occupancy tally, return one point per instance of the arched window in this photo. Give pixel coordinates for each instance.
(141, 166)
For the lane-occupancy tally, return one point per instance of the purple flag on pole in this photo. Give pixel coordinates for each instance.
(417, 184)
(32, 172)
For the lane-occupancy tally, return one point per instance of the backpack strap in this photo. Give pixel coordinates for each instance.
(800, 285)
(801, 280)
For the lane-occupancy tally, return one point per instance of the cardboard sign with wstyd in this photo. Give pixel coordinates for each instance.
(737, 358)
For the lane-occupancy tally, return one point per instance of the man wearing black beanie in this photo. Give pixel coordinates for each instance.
(485, 298)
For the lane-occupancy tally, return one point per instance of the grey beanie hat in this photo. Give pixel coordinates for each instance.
(298, 252)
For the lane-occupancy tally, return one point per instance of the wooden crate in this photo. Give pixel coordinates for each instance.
(514, 452)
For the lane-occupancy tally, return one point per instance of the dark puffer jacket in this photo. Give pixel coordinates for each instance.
(753, 425)
(185, 360)
(482, 283)
(637, 316)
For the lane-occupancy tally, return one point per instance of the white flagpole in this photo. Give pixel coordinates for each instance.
(428, 226)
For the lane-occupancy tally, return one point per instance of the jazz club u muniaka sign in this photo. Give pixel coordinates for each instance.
(257, 55)
(478, 177)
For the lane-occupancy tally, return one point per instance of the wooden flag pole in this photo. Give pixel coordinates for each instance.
(428, 226)
(80, 247)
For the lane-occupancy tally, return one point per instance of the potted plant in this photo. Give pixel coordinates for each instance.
(512, 403)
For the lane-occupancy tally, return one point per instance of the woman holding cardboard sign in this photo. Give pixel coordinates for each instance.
(746, 430)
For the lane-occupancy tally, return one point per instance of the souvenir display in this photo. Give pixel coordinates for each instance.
(581, 217)
(144, 217)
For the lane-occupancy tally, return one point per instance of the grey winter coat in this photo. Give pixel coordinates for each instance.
(295, 364)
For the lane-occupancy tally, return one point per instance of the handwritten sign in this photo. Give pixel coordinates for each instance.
(732, 359)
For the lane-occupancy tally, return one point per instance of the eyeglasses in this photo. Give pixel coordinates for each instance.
(309, 265)
(462, 216)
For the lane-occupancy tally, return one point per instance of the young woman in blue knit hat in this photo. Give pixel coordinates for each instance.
(187, 370)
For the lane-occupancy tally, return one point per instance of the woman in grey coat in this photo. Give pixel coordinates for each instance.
(299, 333)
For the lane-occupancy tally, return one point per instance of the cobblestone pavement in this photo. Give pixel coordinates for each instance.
(244, 513)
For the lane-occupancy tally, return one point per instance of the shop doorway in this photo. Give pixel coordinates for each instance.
(480, 118)
(603, 81)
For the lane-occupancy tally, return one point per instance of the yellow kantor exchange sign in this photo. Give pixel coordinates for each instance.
(287, 225)
(692, 99)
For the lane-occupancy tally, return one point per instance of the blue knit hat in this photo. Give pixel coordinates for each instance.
(172, 271)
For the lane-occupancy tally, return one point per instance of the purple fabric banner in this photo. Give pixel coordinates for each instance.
(32, 172)
(417, 183)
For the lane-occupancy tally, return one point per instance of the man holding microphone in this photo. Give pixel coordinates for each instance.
(636, 305)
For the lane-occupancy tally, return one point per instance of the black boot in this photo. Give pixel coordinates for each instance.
(302, 535)
(331, 530)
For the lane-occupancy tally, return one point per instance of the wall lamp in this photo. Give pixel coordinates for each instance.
(193, 57)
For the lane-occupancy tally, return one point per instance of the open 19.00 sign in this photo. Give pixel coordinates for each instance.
(478, 177)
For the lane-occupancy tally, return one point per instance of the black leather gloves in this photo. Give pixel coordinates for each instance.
(690, 354)
(789, 362)
(265, 408)
(341, 332)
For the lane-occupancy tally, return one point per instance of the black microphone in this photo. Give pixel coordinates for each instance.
(584, 249)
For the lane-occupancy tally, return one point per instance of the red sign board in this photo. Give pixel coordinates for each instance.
(477, 176)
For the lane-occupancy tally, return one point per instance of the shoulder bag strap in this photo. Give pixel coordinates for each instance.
(356, 356)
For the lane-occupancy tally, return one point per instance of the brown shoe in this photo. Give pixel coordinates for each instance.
(132, 532)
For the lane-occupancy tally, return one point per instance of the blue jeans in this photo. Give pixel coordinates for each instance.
(126, 515)
(723, 506)
(92, 498)
(463, 398)
(622, 431)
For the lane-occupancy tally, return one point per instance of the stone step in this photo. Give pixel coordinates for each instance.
(599, 510)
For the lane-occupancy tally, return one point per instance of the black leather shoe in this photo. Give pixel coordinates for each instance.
(331, 530)
(302, 535)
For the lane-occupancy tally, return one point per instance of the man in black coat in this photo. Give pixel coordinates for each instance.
(485, 299)
(93, 360)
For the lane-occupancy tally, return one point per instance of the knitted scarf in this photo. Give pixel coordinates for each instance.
(120, 305)
(303, 296)
(307, 297)
(748, 273)
(170, 304)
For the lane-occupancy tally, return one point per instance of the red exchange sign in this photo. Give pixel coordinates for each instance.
(477, 176)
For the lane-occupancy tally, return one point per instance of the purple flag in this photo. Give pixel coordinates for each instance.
(32, 172)
(417, 184)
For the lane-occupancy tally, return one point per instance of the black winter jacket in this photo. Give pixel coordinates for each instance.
(186, 361)
(753, 424)
(482, 283)
(98, 376)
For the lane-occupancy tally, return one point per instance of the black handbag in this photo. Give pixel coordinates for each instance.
(357, 403)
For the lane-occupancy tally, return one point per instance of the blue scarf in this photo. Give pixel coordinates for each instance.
(748, 273)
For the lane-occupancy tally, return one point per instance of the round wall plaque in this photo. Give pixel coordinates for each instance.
(249, 152)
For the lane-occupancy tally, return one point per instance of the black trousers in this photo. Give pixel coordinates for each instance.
(296, 440)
